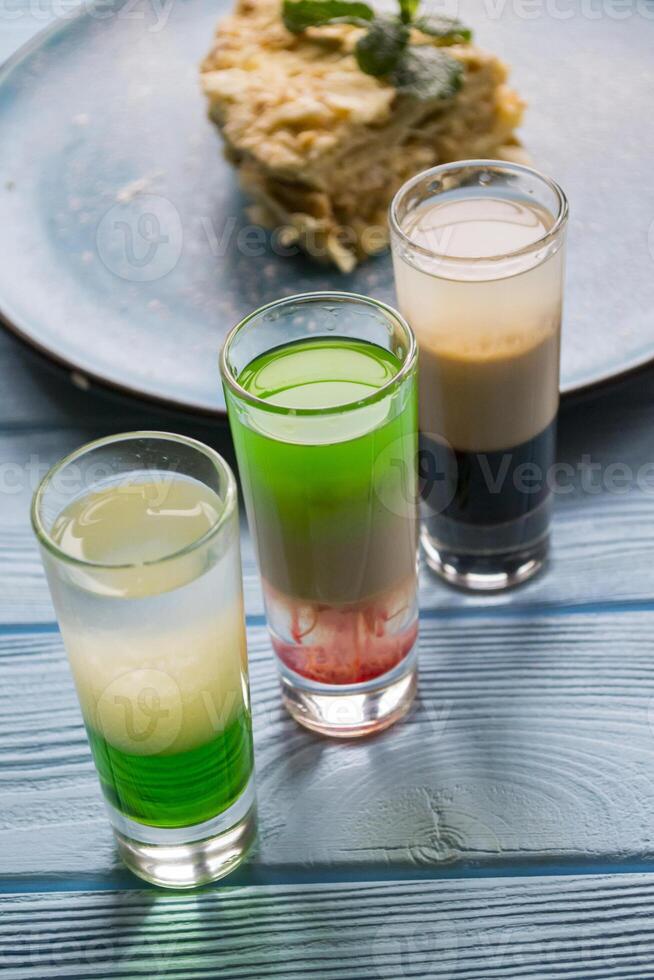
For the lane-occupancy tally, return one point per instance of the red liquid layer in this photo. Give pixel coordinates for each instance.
(343, 644)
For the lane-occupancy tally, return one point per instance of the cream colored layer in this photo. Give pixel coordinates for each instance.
(160, 689)
(489, 353)
(137, 538)
(157, 646)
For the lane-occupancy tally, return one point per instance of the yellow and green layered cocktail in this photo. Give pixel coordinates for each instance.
(140, 543)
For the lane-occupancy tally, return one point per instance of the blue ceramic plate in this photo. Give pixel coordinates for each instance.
(126, 252)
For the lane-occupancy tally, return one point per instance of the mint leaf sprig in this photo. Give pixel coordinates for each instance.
(385, 50)
(300, 14)
(446, 29)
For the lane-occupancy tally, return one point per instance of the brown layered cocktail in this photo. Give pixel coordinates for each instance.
(478, 254)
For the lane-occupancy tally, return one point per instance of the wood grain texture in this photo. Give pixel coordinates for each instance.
(530, 749)
(531, 742)
(592, 927)
(603, 532)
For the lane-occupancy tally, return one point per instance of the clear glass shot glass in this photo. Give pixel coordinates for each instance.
(139, 537)
(478, 253)
(322, 402)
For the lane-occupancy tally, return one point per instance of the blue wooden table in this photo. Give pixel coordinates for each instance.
(504, 829)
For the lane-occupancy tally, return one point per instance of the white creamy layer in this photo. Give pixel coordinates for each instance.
(151, 612)
(489, 347)
(160, 688)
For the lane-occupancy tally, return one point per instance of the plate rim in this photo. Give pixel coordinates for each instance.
(110, 386)
(102, 380)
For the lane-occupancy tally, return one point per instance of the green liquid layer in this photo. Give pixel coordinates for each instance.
(330, 500)
(321, 373)
(179, 789)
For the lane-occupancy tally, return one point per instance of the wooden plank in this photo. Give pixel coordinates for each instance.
(590, 927)
(532, 742)
(598, 537)
(601, 533)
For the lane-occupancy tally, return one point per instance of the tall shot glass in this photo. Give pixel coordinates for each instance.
(322, 402)
(140, 541)
(478, 254)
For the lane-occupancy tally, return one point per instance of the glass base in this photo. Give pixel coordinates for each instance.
(356, 710)
(485, 572)
(189, 856)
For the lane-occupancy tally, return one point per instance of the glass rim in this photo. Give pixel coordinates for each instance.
(517, 168)
(340, 296)
(223, 468)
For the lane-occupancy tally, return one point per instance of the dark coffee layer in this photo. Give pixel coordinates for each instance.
(486, 488)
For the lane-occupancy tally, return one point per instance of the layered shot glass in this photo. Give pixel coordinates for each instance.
(140, 542)
(322, 401)
(478, 253)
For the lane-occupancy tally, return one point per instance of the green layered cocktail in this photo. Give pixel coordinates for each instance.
(144, 572)
(162, 696)
(326, 446)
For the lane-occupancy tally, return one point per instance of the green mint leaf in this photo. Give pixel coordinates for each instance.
(300, 14)
(446, 29)
(408, 10)
(380, 49)
(427, 73)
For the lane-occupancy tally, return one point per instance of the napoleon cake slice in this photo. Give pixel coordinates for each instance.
(321, 146)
